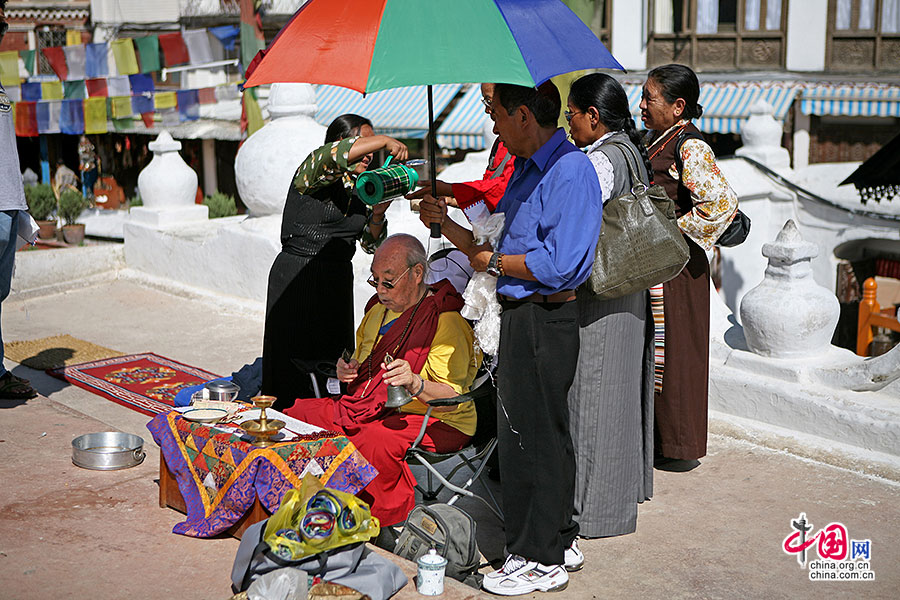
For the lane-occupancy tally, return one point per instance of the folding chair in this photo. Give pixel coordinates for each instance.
(482, 444)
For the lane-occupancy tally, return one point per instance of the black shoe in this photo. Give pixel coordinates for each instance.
(675, 465)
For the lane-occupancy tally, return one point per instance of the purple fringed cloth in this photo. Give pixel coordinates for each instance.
(220, 475)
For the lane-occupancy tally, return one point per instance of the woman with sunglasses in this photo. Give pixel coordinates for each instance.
(309, 304)
(705, 204)
(611, 398)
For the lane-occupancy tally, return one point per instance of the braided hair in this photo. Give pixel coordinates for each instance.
(679, 81)
(608, 98)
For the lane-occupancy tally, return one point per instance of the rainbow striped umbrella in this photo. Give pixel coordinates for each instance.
(372, 45)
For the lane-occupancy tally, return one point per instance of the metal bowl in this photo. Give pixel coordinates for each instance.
(107, 451)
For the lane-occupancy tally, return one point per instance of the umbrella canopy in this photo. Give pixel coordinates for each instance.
(879, 176)
(372, 45)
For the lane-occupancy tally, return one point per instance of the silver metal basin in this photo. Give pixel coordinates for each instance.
(107, 451)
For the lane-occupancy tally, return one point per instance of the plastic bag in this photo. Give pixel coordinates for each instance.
(314, 519)
(282, 584)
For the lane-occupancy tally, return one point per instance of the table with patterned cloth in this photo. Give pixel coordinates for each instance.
(220, 475)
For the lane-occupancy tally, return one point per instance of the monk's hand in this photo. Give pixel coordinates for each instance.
(398, 372)
(479, 256)
(443, 189)
(432, 210)
(346, 371)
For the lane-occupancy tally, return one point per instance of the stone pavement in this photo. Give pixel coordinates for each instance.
(714, 532)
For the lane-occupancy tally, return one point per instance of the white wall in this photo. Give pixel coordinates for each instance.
(134, 11)
(629, 40)
(806, 34)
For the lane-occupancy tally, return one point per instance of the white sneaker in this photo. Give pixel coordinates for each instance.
(573, 558)
(519, 575)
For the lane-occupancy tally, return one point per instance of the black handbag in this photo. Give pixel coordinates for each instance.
(737, 232)
(640, 243)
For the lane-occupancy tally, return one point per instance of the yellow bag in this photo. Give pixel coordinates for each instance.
(314, 519)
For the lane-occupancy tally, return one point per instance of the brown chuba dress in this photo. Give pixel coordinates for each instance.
(681, 407)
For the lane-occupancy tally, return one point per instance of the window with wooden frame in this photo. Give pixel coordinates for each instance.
(717, 34)
(863, 35)
(48, 36)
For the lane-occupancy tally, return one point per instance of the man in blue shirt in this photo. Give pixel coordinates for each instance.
(553, 205)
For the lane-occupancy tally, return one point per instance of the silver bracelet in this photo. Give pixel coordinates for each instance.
(421, 387)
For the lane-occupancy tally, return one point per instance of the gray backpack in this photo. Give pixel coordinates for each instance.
(450, 531)
(355, 566)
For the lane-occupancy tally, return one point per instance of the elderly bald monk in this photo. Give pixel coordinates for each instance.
(420, 327)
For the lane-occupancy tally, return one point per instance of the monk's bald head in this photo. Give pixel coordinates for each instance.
(404, 246)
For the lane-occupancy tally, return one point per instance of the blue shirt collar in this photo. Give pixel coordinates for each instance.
(545, 152)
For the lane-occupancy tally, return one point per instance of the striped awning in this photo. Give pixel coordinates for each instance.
(464, 126)
(399, 112)
(870, 100)
(727, 105)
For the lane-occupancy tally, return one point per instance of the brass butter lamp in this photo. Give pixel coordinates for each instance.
(262, 429)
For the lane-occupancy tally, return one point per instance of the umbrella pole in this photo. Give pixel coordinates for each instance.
(432, 142)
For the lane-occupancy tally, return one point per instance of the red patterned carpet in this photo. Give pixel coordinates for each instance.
(145, 382)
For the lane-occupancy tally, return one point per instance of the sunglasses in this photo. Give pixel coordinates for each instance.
(487, 102)
(388, 285)
(569, 114)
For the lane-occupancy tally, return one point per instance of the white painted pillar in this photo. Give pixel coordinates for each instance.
(801, 138)
(806, 34)
(210, 175)
(628, 34)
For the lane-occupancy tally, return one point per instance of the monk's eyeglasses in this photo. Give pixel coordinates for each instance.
(388, 285)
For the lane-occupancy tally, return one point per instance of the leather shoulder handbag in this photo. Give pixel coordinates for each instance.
(640, 243)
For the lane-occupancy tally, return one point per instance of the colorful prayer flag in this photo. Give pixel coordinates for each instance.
(48, 116)
(148, 49)
(142, 103)
(111, 62)
(226, 34)
(199, 49)
(252, 41)
(207, 95)
(174, 50)
(95, 115)
(51, 90)
(14, 93)
(169, 117)
(147, 118)
(73, 37)
(119, 85)
(74, 90)
(123, 124)
(126, 61)
(57, 59)
(27, 57)
(76, 57)
(96, 63)
(188, 105)
(121, 107)
(71, 117)
(97, 87)
(141, 83)
(31, 91)
(26, 119)
(9, 68)
(163, 100)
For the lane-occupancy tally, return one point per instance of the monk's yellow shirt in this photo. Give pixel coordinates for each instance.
(452, 360)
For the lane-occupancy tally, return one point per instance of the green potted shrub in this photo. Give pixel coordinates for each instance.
(220, 205)
(71, 204)
(41, 204)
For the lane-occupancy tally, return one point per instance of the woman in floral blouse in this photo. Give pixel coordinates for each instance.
(686, 167)
(309, 305)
